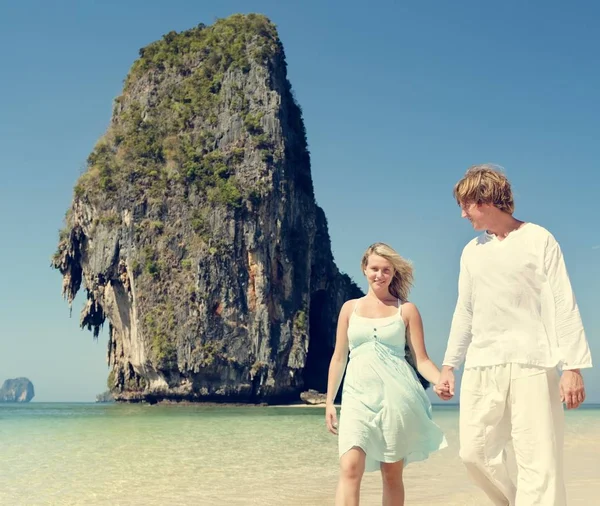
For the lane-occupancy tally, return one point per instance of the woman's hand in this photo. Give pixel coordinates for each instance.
(331, 418)
(443, 391)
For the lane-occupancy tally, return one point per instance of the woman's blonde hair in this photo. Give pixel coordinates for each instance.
(403, 271)
(485, 184)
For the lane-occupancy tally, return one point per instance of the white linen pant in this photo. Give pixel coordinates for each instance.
(522, 403)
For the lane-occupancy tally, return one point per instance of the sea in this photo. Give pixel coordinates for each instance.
(137, 454)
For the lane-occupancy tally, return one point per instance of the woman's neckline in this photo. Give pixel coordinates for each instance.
(376, 317)
(394, 315)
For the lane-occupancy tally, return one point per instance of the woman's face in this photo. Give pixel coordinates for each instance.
(379, 272)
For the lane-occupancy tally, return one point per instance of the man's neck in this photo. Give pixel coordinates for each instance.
(503, 225)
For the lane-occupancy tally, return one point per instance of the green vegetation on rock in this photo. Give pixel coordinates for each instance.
(176, 128)
(159, 325)
(300, 323)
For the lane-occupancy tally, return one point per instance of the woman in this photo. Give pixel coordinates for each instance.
(385, 419)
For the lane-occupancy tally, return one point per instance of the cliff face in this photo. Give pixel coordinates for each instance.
(195, 229)
(17, 390)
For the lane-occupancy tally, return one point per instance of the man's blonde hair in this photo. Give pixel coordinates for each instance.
(403, 271)
(485, 184)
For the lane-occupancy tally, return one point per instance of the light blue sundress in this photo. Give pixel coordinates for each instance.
(385, 410)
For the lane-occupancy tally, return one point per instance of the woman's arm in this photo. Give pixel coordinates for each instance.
(337, 365)
(416, 341)
(340, 353)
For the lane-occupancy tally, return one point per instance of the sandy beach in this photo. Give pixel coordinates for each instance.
(442, 480)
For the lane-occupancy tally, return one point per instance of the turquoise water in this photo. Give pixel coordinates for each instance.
(83, 454)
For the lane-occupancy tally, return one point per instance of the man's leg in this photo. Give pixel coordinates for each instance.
(485, 430)
(538, 434)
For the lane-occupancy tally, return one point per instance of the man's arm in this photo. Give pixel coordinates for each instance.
(570, 335)
(572, 343)
(460, 331)
(460, 334)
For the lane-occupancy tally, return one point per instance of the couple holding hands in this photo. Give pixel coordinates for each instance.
(518, 331)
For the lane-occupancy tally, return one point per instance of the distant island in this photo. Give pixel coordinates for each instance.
(105, 397)
(17, 390)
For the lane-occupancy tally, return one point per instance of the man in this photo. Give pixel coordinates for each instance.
(516, 323)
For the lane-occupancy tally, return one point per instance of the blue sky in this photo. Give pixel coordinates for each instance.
(398, 101)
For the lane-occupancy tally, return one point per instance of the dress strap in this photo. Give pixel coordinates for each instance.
(399, 307)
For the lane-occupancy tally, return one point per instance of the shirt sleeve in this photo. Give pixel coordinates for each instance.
(460, 331)
(570, 334)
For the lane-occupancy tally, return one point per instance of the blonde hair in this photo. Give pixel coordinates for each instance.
(403, 271)
(485, 184)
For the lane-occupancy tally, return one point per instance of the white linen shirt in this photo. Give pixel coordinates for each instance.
(516, 305)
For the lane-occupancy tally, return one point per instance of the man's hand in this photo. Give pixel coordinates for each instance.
(443, 391)
(445, 386)
(572, 391)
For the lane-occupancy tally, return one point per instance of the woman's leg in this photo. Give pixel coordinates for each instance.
(393, 486)
(352, 467)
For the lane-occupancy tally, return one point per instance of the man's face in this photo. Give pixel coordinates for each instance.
(475, 213)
